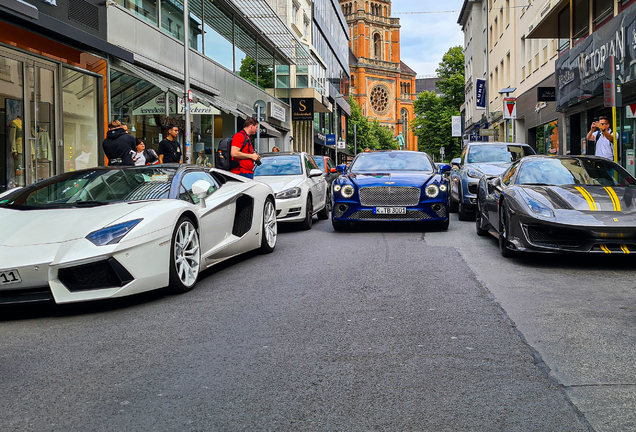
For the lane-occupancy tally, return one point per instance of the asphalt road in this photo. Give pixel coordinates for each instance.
(381, 328)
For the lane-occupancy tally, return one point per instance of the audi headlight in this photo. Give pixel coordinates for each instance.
(289, 193)
(442, 188)
(473, 173)
(347, 191)
(112, 234)
(336, 188)
(431, 191)
(537, 206)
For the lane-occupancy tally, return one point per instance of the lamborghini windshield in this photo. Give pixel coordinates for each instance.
(575, 171)
(89, 188)
(391, 161)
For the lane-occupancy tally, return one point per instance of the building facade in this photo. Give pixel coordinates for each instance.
(381, 83)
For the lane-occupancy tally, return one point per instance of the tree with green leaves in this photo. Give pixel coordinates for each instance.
(370, 133)
(248, 71)
(433, 114)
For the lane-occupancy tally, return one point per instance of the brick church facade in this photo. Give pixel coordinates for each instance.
(381, 83)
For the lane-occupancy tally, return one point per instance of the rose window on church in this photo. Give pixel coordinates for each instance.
(379, 99)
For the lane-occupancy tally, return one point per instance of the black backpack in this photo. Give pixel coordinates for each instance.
(222, 157)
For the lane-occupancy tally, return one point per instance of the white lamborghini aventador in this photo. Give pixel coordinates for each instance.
(110, 232)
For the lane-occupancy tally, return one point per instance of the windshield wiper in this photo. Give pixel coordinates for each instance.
(89, 203)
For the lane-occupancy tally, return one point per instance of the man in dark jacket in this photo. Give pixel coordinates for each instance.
(118, 145)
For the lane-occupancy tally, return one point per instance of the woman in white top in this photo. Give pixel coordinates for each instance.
(140, 156)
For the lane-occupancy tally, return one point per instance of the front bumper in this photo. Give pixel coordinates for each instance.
(290, 210)
(470, 187)
(434, 210)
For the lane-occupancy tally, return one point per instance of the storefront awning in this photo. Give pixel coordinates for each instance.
(225, 105)
(270, 130)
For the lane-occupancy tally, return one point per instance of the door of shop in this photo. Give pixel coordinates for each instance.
(28, 117)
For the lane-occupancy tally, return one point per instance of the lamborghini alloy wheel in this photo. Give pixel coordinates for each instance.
(270, 227)
(185, 257)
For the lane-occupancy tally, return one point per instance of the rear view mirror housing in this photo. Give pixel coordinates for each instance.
(341, 168)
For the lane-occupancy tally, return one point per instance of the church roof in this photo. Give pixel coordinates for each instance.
(405, 69)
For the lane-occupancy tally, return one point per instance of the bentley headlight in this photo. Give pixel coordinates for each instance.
(289, 193)
(431, 191)
(473, 173)
(112, 234)
(347, 191)
(442, 188)
(537, 206)
(336, 188)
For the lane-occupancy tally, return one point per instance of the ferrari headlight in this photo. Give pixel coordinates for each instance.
(473, 173)
(289, 193)
(347, 191)
(442, 188)
(431, 191)
(537, 207)
(336, 188)
(112, 234)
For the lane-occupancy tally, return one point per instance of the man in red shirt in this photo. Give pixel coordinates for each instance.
(243, 149)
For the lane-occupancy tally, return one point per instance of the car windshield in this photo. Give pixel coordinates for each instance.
(279, 165)
(92, 188)
(391, 161)
(320, 161)
(497, 153)
(575, 171)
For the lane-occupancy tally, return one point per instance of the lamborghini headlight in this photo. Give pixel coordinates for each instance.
(112, 234)
(431, 191)
(347, 191)
(289, 193)
(537, 206)
(473, 173)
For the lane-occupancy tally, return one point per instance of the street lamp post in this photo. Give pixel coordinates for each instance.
(186, 81)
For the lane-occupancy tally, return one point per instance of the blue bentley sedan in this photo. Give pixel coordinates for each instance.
(391, 186)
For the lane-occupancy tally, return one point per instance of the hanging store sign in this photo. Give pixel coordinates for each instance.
(546, 94)
(302, 109)
(277, 112)
(198, 108)
(157, 105)
(480, 93)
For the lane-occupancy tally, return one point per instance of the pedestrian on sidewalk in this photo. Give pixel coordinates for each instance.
(603, 137)
(169, 148)
(118, 146)
(243, 149)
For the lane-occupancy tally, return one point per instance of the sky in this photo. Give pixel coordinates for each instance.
(425, 38)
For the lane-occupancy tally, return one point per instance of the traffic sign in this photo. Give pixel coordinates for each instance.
(342, 145)
(261, 104)
(510, 108)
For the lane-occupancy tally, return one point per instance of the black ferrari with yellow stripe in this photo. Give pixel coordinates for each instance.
(560, 204)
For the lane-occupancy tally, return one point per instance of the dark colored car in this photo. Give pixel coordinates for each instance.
(478, 159)
(560, 204)
(326, 165)
(391, 186)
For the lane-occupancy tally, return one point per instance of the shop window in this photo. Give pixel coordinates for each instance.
(172, 18)
(218, 35)
(603, 9)
(144, 9)
(580, 18)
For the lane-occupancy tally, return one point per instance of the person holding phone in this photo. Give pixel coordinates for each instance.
(602, 135)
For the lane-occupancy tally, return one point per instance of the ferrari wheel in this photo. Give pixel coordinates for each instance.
(339, 225)
(504, 231)
(270, 227)
(185, 257)
(478, 224)
(309, 215)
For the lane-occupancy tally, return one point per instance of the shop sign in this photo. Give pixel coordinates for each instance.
(198, 108)
(302, 109)
(330, 140)
(319, 138)
(157, 106)
(456, 126)
(580, 72)
(480, 95)
(487, 132)
(510, 108)
(277, 112)
(546, 94)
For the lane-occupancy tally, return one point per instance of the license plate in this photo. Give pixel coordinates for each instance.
(9, 277)
(389, 210)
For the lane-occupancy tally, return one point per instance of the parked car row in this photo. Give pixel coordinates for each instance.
(536, 203)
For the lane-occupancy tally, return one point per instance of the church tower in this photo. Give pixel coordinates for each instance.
(380, 82)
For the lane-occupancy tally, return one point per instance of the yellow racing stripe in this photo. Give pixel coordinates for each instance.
(625, 249)
(588, 198)
(615, 201)
(606, 249)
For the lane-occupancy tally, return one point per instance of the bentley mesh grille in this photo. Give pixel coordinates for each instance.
(338, 212)
(441, 212)
(389, 196)
(368, 215)
(554, 236)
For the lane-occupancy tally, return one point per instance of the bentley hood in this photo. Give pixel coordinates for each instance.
(280, 183)
(490, 169)
(39, 227)
(407, 178)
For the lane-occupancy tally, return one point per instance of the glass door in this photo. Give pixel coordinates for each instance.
(12, 161)
(41, 101)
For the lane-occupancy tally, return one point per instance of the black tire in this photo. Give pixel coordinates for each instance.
(339, 225)
(181, 280)
(324, 213)
(309, 215)
(453, 205)
(463, 214)
(269, 236)
(504, 229)
(443, 226)
(478, 219)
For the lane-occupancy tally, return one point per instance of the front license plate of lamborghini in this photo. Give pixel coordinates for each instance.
(389, 210)
(9, 277)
